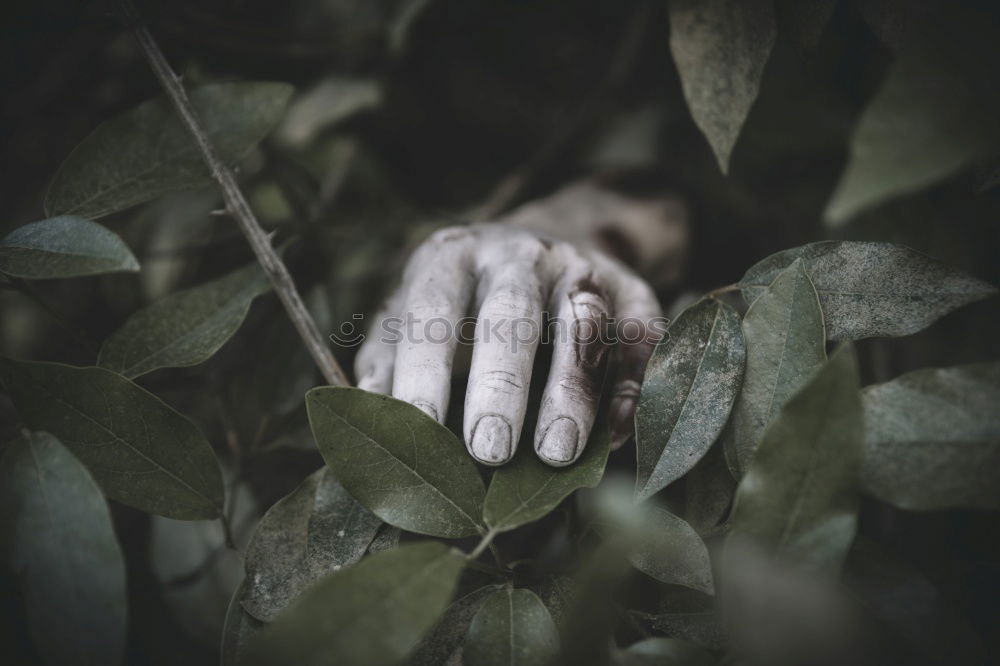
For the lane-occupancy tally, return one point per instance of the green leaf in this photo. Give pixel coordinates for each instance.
(932, 438)
(709, 488)
(720, 48)
(442, 642)
(701, 627)
(239, 631)
(669, 550)
(664, 652)
(526, 489)
(406, 468)
(785, 343)
(512, 627)
(689, 389)
(59, 542)
(871, 289)
(62, 247)
(316, 529)
(372, 614)
(185, 328)
(934, 115)
(141, 451)
(146, 151)
(386, 538)
(800, 496)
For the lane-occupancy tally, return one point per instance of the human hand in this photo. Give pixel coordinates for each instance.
(508, 275)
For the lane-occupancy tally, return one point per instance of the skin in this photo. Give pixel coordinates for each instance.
(550, 258)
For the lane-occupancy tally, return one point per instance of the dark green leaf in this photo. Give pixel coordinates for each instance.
(800, 496)
(701, 627)
(239, 632)
(664, 652)
(185, 328)
(669, 550)
(62, 247)
(59, 542)
(372, 614)
(691, 382)
(512, 627)
(934, 115)
(526, 489)
(872, 289)
(438, 646)
(720, 48)
(146, 152)
(785, 344)
(316, 529)
(142, 452)
(406, 468)
(709, 488)
(932, 438)
(557, 592)
(386, 538)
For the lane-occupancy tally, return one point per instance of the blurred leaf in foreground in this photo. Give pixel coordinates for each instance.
(372, 614)
(934, 115)
(800, 496)
(59, 542)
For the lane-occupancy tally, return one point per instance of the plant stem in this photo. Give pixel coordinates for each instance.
(227, 531)
(236, 203)
(725, 290)
(482, 545)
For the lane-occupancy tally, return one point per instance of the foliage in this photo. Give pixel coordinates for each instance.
(772, 468)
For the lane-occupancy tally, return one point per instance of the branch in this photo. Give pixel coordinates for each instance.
(236, 203)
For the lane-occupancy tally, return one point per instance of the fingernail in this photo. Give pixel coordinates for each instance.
(491, 440)
(622, 415)
(427, 408)
(560, 441)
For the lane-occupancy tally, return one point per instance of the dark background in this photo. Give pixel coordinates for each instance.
(471, 92)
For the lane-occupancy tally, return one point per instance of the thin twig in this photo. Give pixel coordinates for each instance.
(482, 545)
(227, 530)
(236, 203)
(729, 288)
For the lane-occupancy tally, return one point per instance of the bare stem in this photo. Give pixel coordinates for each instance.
(725, 290)
(236, 203)
(482, 545)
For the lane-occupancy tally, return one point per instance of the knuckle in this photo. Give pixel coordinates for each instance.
(500, 381)
(448, 235)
